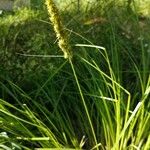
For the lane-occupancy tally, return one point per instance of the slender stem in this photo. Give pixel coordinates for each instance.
(84, 103)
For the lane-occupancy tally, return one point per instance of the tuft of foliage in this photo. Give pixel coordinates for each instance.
(97, 100)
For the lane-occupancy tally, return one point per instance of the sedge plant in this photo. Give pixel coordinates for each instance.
(83, 103)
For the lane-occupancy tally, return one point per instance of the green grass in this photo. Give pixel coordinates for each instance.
(97, 100)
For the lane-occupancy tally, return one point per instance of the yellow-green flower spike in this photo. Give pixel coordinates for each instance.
(59, 28)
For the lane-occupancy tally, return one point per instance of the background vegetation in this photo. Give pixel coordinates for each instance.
(98, 101)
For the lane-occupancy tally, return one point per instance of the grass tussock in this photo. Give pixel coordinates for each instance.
(96, 99)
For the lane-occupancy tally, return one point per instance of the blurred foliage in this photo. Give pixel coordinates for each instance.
(22, 32)
(28, 31)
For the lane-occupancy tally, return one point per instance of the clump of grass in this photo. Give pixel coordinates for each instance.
(87, 103)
